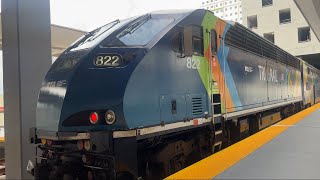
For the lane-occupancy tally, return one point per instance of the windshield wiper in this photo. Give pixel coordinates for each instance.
(85, 37)
(92, 35)
(134, 25)
(113, 24)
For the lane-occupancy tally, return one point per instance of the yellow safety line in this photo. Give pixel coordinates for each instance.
(217, 163)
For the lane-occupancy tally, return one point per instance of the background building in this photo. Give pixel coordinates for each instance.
(311, 12)
(226, 9)
(281, 22)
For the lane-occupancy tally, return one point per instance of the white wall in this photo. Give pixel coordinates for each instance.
(286, 35)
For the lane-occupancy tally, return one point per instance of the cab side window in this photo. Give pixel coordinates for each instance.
(188, 41)
(177, 43)
(214, 45)
(197, 40)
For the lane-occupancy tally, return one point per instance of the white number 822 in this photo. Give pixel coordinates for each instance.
(106, 60)
(193, 63)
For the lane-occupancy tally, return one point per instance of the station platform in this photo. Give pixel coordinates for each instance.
(289, 149)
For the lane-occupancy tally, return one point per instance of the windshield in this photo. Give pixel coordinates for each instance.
(140, 31)
(96, 36)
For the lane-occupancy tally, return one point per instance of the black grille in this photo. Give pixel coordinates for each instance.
(242, 38)
(197, 106)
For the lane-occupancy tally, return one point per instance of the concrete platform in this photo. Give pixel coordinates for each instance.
(289, 149)
(294, 154)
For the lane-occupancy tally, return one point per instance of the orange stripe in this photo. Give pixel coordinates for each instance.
(223, 88)
(217, 163)
(218, 74)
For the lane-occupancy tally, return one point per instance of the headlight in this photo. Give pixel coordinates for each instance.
(110, 117)
(43, 141)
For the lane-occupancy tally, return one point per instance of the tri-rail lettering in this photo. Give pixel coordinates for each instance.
(271, 76)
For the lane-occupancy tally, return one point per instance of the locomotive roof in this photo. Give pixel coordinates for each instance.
(173, 11)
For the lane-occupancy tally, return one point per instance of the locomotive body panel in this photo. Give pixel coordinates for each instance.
(260, 81)
(311, 84)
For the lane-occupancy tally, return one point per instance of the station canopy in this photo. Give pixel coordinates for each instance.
(61, 38)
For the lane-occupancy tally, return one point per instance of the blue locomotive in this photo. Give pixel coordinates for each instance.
(147, 96)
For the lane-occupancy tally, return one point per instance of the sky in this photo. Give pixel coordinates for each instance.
(89, 14)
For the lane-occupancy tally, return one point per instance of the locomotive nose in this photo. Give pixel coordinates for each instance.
(49, 105)
(72, 93)
(53, 90)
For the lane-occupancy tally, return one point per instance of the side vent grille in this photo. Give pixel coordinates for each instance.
(240, 37)
(197, 106)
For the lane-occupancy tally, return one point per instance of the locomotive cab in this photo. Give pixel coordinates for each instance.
(90, 78)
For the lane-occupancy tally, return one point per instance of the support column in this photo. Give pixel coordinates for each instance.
(26, 38)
